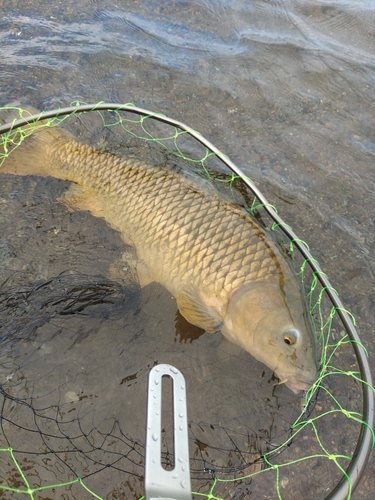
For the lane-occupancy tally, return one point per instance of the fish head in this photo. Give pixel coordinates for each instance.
(275, 328)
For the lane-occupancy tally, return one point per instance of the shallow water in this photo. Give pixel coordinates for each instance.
(286, 89)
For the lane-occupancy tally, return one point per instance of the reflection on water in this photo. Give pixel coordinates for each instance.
(286, 89)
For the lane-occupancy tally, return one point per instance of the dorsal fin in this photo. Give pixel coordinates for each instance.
(194, 310)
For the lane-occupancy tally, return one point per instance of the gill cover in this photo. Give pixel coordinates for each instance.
(275, 330)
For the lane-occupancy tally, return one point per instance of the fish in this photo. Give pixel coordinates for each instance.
(224, 269)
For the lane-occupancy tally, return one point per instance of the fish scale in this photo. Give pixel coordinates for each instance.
(162, 223)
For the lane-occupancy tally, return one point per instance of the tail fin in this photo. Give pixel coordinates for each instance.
(26, 150)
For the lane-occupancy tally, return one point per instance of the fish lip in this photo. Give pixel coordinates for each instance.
(297, 385)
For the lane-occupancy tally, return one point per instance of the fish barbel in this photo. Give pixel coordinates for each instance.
(225, 271)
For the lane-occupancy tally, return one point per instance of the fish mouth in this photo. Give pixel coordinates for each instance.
(296, 385)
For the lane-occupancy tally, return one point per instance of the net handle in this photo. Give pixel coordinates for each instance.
(364, 445)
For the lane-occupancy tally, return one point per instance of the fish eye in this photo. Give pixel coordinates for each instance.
(291, 336)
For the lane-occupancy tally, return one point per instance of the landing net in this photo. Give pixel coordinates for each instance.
(77, 347)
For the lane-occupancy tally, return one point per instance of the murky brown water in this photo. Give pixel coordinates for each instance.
(286, 89)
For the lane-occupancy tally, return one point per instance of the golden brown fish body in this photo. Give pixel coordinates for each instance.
(224, 270)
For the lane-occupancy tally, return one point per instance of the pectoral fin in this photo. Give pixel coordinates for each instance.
(193, 308)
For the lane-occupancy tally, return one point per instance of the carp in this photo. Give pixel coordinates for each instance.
(224, 269)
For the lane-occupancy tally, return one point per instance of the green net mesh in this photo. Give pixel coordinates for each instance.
(79, 432)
